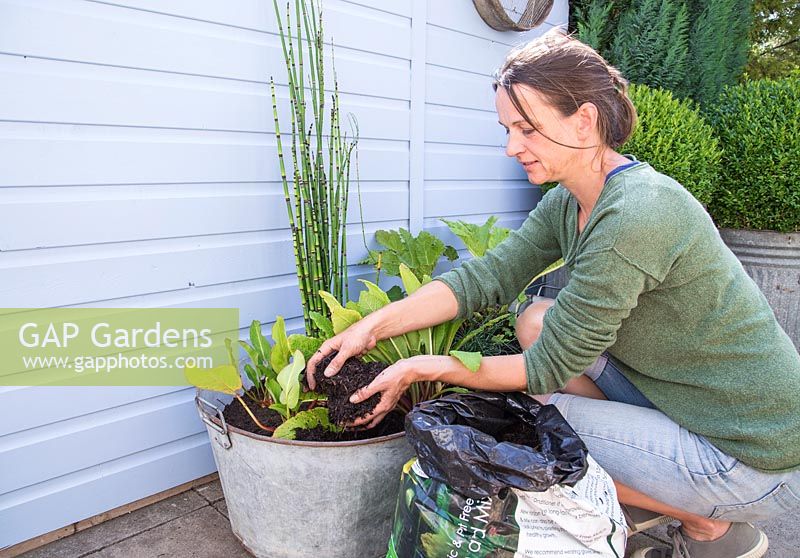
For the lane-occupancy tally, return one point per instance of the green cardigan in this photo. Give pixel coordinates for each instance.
(652, 283)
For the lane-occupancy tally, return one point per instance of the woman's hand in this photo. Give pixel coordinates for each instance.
(356, 340)
(499, 373)
(392, 383)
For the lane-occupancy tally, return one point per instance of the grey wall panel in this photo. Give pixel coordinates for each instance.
(139, 170)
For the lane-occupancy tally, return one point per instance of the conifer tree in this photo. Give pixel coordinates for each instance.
(718, 46)
(690, 47)
(592, 21)
(651, 43)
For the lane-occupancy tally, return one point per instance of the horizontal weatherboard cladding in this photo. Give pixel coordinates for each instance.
(139, 170)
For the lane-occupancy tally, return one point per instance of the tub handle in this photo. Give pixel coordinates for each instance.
(221, 435)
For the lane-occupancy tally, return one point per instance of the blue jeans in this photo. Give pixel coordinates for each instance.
(641, 447)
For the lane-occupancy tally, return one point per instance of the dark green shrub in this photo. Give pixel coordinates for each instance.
(675, 139)
(691, 47)
(758, 123)
(718, 46)
(651, 45)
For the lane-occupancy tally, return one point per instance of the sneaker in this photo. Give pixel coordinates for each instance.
(639, 519)
(741, 541)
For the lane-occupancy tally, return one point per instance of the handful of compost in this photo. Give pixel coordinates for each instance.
(354, 375)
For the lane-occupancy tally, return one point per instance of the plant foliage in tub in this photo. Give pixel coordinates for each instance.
(478, 238)
(436, 340)
(275, 372)
(420, 254)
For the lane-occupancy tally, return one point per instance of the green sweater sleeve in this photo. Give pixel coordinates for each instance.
(604, 287)
(503, 272)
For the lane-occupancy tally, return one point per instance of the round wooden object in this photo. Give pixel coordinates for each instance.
(513, 15)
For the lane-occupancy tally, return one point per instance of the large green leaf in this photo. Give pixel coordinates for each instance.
(259, 342)
(224, 379)
(289, 380)
(478, 238)
(318, 416)
(414, 340)
(323, 323)
(305, 344)
(410, 281)
(254, 355)
(372, 299)
(471, 360)
(252, 374)
(424, 252)
(281, 408)
(274, 388)
(280, 350)
(420, 254)
(391, 240)
(440, 333)
(342, 317)
(400, 346)
(352, 305)
(452, 329)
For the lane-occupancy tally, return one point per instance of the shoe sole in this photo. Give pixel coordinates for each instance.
(758, 552)
(760, 549)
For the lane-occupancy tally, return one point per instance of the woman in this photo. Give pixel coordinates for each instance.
(660, 352)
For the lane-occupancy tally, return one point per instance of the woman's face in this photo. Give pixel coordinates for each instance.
(542, 159)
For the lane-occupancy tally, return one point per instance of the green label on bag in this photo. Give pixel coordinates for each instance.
(111, 346)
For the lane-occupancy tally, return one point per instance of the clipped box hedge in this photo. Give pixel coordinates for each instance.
(758, 123)
(674, 137)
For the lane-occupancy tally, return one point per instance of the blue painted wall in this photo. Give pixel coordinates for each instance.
(138, 170)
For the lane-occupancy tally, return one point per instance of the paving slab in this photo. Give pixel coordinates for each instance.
(194, 524)
(222, 507)
(204, 533)
(212, 491)
(120, 528)
(784, 537)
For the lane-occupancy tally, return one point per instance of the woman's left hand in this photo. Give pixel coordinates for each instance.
(392, 383)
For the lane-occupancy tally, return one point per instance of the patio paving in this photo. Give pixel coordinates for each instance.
(194, 524)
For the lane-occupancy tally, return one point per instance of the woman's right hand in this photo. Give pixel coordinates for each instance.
(356, 340)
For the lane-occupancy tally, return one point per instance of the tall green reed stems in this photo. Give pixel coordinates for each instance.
(316, 194)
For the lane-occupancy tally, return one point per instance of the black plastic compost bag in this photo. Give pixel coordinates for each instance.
(468, 495)
(456, 441)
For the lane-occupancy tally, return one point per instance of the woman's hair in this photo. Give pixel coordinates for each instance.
(568, 73)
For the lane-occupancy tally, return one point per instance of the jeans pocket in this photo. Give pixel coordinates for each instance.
(777, 501)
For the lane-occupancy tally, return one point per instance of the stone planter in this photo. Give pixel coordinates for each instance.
(290, 499)
(772, 259)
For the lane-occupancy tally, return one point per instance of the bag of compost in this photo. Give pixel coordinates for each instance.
(499, 475)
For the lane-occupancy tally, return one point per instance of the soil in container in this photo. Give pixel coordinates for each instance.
(354, 374)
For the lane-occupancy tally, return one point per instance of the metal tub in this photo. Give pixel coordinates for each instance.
(290, 499)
